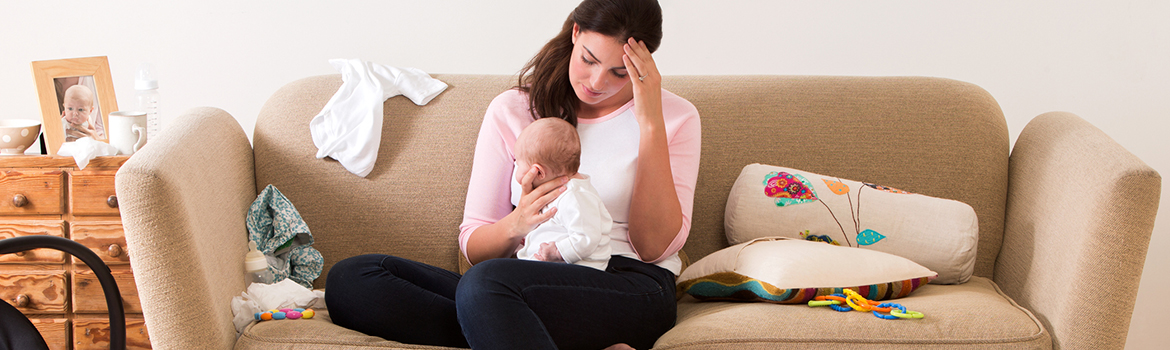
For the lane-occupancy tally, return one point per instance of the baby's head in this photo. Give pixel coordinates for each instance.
(77, 105)
(552, 146)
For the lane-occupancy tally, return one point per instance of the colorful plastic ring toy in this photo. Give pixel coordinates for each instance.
(859, 305)
(815, 303)
(837, 297)
(888, 307)
(841, 308)
(907, 314)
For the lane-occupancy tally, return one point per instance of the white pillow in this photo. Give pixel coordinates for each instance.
(940, 234)
(791, 271)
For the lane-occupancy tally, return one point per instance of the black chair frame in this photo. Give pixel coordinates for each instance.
(109, 286)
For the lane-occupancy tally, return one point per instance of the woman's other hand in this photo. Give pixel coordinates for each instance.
(647, 82)
(529, 211)
(655, 219)
(503, 238)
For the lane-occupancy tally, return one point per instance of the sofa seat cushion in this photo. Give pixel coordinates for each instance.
(975, 314)
(313, 334)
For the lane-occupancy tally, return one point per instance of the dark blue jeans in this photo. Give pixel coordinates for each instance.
(17, 332)
(503, 303)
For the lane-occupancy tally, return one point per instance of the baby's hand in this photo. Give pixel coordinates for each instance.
(548, 252)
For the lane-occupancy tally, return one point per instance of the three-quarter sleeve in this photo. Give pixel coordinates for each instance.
(684, 142)
(488, 191)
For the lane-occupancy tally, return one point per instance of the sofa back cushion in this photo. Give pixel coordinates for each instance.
(411, 203)
(931, 136)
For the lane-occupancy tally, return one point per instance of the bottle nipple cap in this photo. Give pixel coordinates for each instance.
(254, 260)
(144, 79)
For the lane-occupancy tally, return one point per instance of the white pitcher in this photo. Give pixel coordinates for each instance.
(127, 131)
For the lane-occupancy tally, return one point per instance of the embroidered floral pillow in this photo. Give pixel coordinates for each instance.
(792, 271)
(767, 201)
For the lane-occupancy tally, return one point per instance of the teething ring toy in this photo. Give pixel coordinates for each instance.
(906, 314)
(855, 301)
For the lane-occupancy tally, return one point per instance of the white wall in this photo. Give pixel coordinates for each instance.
(1107, 61)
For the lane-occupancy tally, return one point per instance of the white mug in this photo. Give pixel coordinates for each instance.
(127, 131)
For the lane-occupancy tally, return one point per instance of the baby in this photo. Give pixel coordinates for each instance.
(579, 231)
(75, 113)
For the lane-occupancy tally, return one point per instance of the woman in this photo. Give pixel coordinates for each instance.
(640, 144)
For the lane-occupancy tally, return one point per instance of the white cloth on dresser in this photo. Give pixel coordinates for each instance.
(349, 128)
(85, 149)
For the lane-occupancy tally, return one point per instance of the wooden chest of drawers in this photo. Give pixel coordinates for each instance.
(43, 195)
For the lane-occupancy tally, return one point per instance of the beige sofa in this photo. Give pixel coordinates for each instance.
(1065, 217)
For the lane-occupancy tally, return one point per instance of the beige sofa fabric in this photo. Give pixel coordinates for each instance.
(970, 315)
(411, 204)
(316, 334)
(185, 195)
(808, 123)
(183, 198)
(1080, 215)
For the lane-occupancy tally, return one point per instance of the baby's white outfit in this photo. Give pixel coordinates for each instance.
(580, 228)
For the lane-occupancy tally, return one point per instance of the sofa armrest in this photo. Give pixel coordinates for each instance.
(184, 197)
(1080, 211)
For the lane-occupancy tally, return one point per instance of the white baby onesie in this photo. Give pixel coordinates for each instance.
(349, 127)
(580, 228)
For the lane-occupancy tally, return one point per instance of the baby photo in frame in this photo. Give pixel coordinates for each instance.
(76, 97)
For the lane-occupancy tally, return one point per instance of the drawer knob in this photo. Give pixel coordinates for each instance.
(19, 200)
(22, 301)
(114, 250)
(21, 253)
(112, 201)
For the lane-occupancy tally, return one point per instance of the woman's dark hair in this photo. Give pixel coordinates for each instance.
(546, 77)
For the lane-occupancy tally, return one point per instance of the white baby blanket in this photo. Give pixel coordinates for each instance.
(349, 128)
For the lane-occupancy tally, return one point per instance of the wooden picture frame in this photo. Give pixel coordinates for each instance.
(54, 80)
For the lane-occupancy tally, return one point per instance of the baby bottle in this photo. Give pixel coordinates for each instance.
(146, 94)
(257, 266)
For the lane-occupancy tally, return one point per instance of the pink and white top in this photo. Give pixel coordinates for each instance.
(609, 153)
